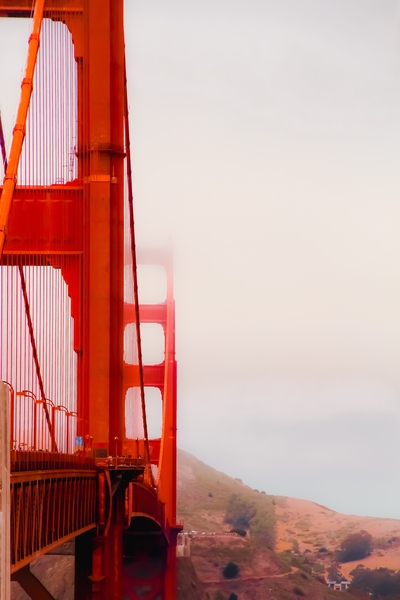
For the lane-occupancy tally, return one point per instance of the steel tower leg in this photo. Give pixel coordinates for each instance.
(170, 574)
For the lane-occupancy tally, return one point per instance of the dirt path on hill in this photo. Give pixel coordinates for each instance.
(252, 578)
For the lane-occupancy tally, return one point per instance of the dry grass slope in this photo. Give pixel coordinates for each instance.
(203, 495)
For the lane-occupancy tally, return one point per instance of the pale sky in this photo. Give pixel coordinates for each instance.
(266, 146)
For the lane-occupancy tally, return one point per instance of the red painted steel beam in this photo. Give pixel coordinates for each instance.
(50, 213)
(154, 376)
(23, 8)
(135, 448)
(148, 313)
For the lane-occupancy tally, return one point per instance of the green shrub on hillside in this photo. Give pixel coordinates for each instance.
(262, 527)
(300, 562)
(355, 547)
(231, 570)
(239, 511)
(318, 568)
(298, 591)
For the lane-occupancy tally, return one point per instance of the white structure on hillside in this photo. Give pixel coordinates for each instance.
(183, 545)
(340, 586)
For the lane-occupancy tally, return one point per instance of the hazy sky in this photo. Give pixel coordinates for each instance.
(266, 145)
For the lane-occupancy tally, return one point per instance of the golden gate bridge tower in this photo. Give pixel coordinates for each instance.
(82, 465)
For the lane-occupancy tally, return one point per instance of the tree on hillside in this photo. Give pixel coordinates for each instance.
(262, 527)
(357, 571)
(239, 511)
(378, 583)
(355, 547)
(334, 573)
(295, 547)
(230, 571)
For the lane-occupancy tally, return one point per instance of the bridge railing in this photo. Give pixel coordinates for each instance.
(53, 494)
(48, 508)
(47, 461)
(39, 443)
(143, 501)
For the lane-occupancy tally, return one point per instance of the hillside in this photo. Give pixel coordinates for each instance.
(313, 527)
(205, 498)
(203, 494)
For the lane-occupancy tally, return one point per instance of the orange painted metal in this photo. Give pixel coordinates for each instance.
(162, 509)
(56, 209)
(19, 129)
(48, 508)
(24, 460)
(83, 220)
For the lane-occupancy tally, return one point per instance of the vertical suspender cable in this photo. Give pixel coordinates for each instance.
(19, 129)
(10, 180)
(36, 358)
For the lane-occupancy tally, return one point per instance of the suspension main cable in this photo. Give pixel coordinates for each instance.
(10, 177)
(135, 277)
